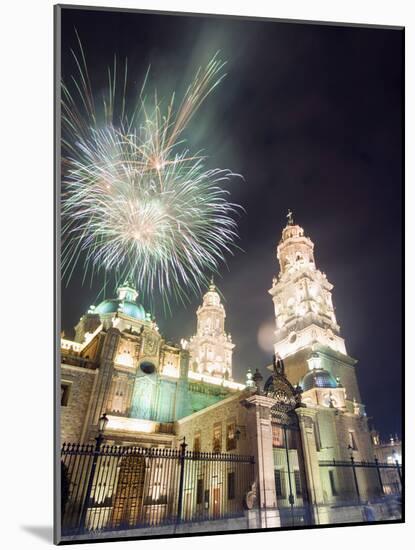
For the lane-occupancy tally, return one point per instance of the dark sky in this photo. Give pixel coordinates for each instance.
(311, 116)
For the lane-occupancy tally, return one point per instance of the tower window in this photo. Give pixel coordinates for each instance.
(293, 338)
(217, 438)
(65, 392)
(317, 436)
(352, 441)
(196, 443)
(332, 483)
(278, 483)
(230, 436)
(297, 480)
(277, 436)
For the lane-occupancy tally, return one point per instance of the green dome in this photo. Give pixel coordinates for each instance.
(131, 309)
(318, 378)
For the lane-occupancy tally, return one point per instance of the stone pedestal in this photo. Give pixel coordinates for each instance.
(261, 432)
(263, 519)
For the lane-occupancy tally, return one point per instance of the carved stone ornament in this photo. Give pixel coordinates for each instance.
(279, 388)
(150, 346)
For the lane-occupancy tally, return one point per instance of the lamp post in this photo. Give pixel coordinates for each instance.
(354, 473)
(182, 457)
(102, 424)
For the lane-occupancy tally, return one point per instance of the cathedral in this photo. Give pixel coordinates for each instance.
(305, 428)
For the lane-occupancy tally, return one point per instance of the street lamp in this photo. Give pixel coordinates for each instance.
(102, 424)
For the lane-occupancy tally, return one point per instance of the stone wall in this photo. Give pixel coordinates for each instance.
(80, 382)
(333, 428)
(217, 417)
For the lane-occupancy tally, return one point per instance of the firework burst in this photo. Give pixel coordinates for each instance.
(136, 202)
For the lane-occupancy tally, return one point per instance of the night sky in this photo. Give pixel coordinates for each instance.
(311, 116)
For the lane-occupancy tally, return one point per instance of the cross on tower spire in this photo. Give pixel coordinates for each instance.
(290, 217)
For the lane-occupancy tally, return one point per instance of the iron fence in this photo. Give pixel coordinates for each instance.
(111, 487)
(389, 475)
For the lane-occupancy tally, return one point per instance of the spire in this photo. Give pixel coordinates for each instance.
(290, 217)
(212, 283)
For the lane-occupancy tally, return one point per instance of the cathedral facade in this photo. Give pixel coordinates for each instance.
(120, 364)
(305, 427)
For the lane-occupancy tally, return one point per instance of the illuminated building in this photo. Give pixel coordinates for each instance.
(305, 316)
(306, 427)
(308, 339)
(120, 364)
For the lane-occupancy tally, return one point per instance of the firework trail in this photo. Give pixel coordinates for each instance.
(136, 202)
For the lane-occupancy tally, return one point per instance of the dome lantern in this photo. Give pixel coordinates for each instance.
(127, 291)
(314, 361)
(125, 304)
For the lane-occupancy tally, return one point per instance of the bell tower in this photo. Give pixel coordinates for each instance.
(304, 312)
(211, 347)
(302, 297)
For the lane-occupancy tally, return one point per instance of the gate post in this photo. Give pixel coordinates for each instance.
(259, 426)
(306, 418)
